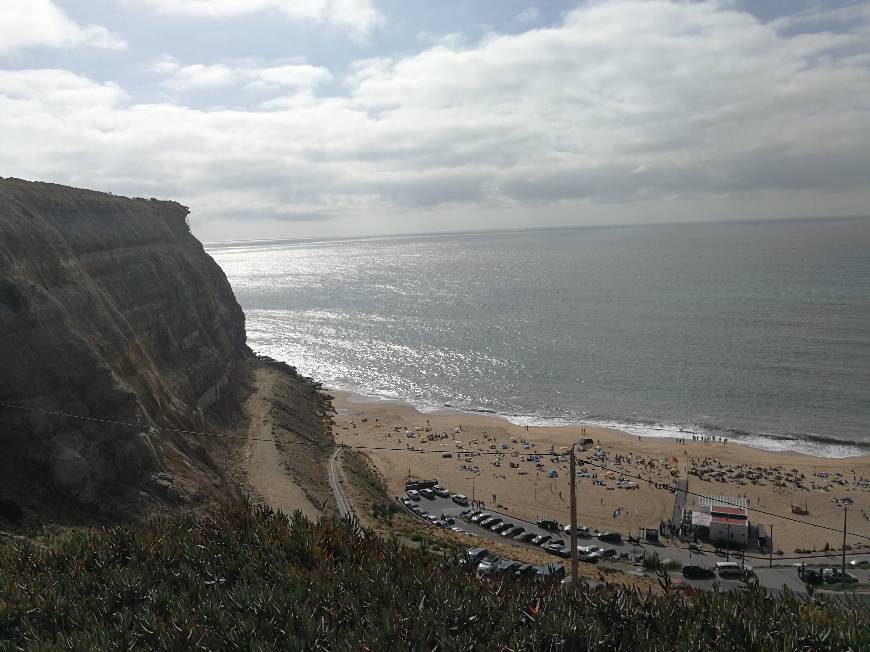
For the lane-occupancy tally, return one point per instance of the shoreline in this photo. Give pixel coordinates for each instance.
(821, 447)
(404, 442)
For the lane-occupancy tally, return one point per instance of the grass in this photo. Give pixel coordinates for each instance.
(250, 578)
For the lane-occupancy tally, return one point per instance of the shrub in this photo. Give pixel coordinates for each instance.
(249, 578)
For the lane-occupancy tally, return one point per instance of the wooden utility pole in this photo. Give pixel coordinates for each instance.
(845, 511)
(770, 544)
(573, 518)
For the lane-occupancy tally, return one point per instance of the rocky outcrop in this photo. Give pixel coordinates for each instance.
(111, 309)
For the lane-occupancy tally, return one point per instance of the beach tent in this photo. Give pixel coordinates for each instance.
(552, 473)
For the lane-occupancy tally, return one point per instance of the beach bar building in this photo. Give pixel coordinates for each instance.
(722, 519)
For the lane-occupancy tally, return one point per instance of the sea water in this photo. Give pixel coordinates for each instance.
(757, 332)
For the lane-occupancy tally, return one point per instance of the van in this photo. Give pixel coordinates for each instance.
(732, 569)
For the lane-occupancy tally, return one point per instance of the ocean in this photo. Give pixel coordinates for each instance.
(755, 331)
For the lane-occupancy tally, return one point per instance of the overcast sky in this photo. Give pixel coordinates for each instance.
(285, 118)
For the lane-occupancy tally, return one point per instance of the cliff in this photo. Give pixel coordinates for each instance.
(110, 308)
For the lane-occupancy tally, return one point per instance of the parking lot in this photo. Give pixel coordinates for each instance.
(775, 579)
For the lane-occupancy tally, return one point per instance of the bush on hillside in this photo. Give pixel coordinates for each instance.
(250, 578)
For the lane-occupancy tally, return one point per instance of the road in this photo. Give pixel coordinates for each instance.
(781, 575)
(335, 482)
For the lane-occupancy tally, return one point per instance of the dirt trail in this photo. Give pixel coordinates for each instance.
(266, 472)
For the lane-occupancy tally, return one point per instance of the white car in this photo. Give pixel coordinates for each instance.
(460, 499)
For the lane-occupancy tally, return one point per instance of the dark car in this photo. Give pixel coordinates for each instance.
(527, 537)
(548, 524)
(476, 554)
(525, 570)
(512, 532)
(507, 566)
(558, 550)
(480, 516)
(547, 571)
(490, 521)
(611, 537)
(428, 493)
(501, 527)
(541, 539)
(698, 573)
(557, 542)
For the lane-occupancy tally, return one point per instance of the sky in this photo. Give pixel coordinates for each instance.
(323, 118)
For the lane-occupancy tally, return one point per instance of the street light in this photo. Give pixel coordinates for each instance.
(472, 489)
(573, 516)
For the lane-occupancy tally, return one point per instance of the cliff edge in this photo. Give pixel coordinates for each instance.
(111, 309)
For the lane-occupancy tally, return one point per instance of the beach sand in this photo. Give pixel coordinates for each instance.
(529, 493)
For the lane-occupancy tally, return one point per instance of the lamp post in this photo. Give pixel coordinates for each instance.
(573, 517)
(472, 489)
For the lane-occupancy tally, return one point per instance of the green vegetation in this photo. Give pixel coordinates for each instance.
(250, 578)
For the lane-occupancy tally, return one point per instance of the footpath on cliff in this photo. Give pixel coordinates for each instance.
(287, 452)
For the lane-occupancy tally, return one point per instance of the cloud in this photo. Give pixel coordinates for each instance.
(41, 23)
(254, 75)
(357, 17)
(622, 104)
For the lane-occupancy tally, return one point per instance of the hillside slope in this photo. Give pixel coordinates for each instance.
(247, 579)
(110, 308)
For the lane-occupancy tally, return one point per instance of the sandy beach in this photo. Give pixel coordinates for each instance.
(499, 472)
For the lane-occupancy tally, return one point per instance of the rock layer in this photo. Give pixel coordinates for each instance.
(110, 308)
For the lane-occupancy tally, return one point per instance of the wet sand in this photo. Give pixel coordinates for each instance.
(502, 474)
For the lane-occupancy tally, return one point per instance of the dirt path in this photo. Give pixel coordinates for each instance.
(335, 482)
(266, 472)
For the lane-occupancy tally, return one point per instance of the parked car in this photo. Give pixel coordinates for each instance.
(541, 539)
(598, 555)
(698, 573)
(859, 563)
(546, 571)
(610, 537)
(527, 537)
(432, 518)
(695, 547)
(413, 494)
(502, 527)
(489, 521)
(558, 550)
(512, 532)
(487, 565)
(585, 550)
(582, 531)
(548, 524)
(557, 542)
(441, 491)
(480, 516)
(457, 529)
(428, 493)
(507, 566)
(525, 570)
(837, 576)
(460, 499)
(476, 554)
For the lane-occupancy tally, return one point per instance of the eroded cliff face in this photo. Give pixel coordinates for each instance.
(110, 308)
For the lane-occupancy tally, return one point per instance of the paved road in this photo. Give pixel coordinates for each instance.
(335, 482)
(782, 574)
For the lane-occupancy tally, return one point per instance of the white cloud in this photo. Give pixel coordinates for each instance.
(254, 75)
(41, 23)
(357, 17)
(624, 104)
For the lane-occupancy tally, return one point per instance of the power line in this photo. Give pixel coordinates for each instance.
(200, 433)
